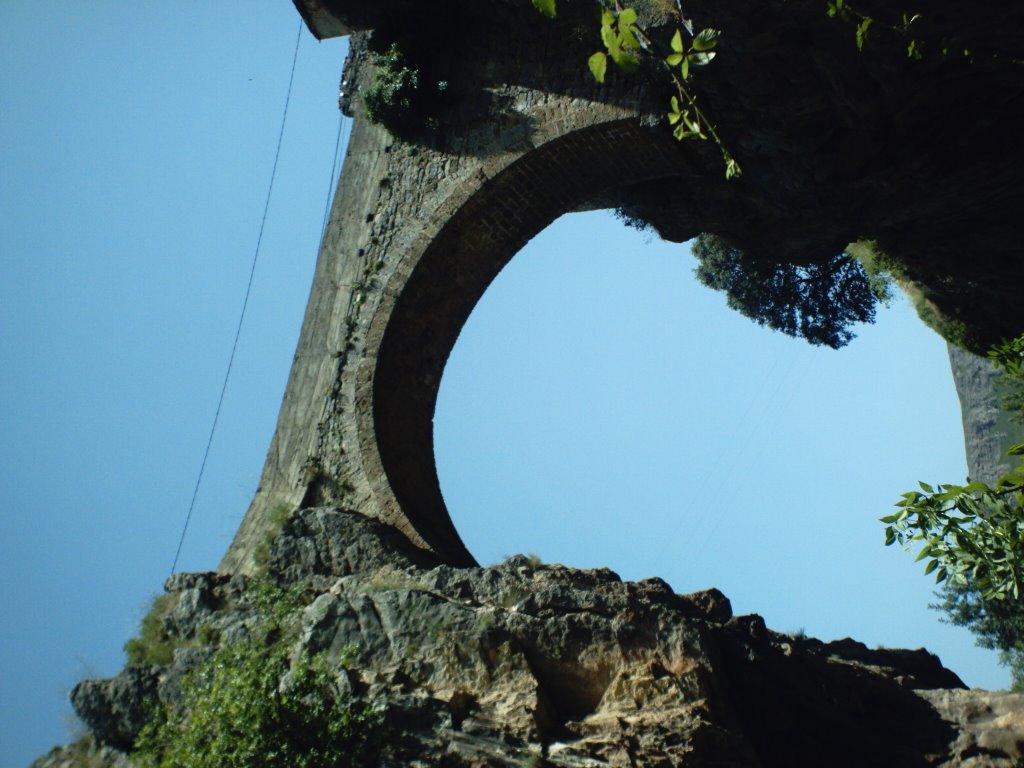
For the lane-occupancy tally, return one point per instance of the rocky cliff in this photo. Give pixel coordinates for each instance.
(525, 664)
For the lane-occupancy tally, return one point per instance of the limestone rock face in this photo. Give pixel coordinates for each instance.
(990, 725)
(115, 709)
(530, 664)
(84, 753)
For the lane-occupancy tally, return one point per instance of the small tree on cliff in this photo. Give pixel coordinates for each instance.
(972, 538)
(816, 302)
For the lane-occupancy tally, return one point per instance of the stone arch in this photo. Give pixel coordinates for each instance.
(836, 147)
(432, 292)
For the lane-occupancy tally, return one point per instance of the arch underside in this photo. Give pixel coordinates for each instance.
(421, 326)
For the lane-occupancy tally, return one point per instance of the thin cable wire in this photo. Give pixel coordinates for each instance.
(245, 304)
(342, 124)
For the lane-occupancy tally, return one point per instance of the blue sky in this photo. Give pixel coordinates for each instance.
(600, 408)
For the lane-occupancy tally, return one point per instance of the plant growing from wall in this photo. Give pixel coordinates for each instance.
(390, 97)
(627, 44)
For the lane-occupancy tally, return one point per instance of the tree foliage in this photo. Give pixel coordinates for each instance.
(972, 535)
(972, 538)
(997, 626)
(816, 302)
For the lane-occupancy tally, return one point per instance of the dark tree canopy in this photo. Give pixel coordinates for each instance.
(816, 302)
(997, 625)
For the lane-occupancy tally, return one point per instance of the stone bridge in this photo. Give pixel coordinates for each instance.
(507, 131)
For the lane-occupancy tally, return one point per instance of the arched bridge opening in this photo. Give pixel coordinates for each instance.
(419, 321)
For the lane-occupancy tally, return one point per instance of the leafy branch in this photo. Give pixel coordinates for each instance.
(973, 535)
(626, 43)
(906, 26)
(846, 12)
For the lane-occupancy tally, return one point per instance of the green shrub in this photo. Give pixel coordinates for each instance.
(251, 705)
(390, 97)
(237, 714)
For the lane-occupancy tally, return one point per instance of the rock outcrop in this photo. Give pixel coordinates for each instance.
(530, 664)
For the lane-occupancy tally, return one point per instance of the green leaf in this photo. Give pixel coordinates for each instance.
(732, 168)
(627, 17)
(674, 59)
(932, 565)
(598, 64)
(677, 42)
(627, 39)
(693, 124)
(627, 61)
(608, 36)
(701, 59)
(706, 40)
(547, 7)
(685, 68)
(925, 487)
(925, 551)
(1016, 450)
(610, 39)
(862, 32)
(675, 113)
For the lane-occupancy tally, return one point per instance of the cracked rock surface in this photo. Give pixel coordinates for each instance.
(530, 664)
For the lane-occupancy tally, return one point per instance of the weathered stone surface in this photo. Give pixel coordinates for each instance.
(990, 725)
(837, 145)
(115, 710)
(321, 542)
(84, 753)
(496, 666)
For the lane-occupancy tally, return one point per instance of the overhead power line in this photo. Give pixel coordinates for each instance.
(245, 304)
